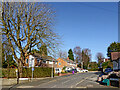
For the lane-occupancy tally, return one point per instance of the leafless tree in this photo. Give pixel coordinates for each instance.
(99, 57)
(62, 54)
(86, 56)
(27, 25)
(78, 54)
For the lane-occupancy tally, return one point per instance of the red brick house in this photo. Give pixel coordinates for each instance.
(65, 63)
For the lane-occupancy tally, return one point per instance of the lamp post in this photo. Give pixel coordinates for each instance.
(52, 69)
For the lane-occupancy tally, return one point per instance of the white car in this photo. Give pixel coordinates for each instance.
(84, 70)
(58, 70)
(78, 69)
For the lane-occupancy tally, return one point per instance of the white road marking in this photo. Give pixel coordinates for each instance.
(66, 81)
(81, 87)
(25, 86)
(53, 86)
(81, 81)
(61, 78)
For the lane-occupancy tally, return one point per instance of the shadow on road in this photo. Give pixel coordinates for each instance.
(98, 73)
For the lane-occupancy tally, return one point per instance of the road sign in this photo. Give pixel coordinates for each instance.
(32, 68)
(31, 61)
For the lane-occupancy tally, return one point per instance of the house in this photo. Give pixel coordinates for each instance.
(61, 63)
(106, 59)
(115, 57)
(69, 64)
(39, 61)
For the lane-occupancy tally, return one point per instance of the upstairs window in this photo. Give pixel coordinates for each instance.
(59, 63)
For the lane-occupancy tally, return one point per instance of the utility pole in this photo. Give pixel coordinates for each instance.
(52, 69)
(82, 61)
(82, 64)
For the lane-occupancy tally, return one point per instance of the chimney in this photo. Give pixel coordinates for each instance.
(67, 58)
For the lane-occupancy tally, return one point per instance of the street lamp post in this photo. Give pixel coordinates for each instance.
(52, 69)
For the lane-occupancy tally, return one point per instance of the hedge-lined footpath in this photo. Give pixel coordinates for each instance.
(27, 72)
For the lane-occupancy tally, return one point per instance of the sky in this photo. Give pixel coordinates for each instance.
(87, 24)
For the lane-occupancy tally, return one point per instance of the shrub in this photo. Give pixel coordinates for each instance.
(10, 74)
(93, 69)
(27, 72)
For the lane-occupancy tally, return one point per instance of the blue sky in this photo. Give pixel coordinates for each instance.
(88, 25)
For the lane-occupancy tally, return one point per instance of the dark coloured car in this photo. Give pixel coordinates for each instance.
(74, 70)
(108, 70)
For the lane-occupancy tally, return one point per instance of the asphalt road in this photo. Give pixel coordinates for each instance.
(79, 80)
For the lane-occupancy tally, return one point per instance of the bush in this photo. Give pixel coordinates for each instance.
(93, 69)
(107, 64)
(27, 72)
(6, 73)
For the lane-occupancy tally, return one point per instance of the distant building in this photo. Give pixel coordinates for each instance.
(106, 59)
(115, 57)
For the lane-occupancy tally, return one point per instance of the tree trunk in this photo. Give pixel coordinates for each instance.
(19, 70)
(8, 68)
(82, 64)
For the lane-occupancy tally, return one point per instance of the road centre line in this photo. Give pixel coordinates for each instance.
(66, 81)
(53, 86)
(81, 81)
(61, 78)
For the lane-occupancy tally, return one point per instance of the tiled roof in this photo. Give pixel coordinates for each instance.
(37, 55)
(68, 61)
(115, 55)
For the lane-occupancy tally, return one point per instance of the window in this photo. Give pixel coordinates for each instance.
(59, 63)
(26, 60)
(37, 61)
(50, 62)
(32, 58)
(44, 61)
(55, 62)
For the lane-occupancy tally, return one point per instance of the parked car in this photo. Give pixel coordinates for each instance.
(78, 69)
(108, 70)
(68, 69)
(84, 70)
(58, 70)
(74, 70)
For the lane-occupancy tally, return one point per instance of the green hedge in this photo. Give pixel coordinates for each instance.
(27, 72)
(6, 73)
(93, 69)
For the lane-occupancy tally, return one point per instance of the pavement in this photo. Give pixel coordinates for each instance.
(78, 80)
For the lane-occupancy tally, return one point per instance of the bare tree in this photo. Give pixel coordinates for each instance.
(99, 57)
(62, 54)
(78, 54)
(27, 26)
(86, 56)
